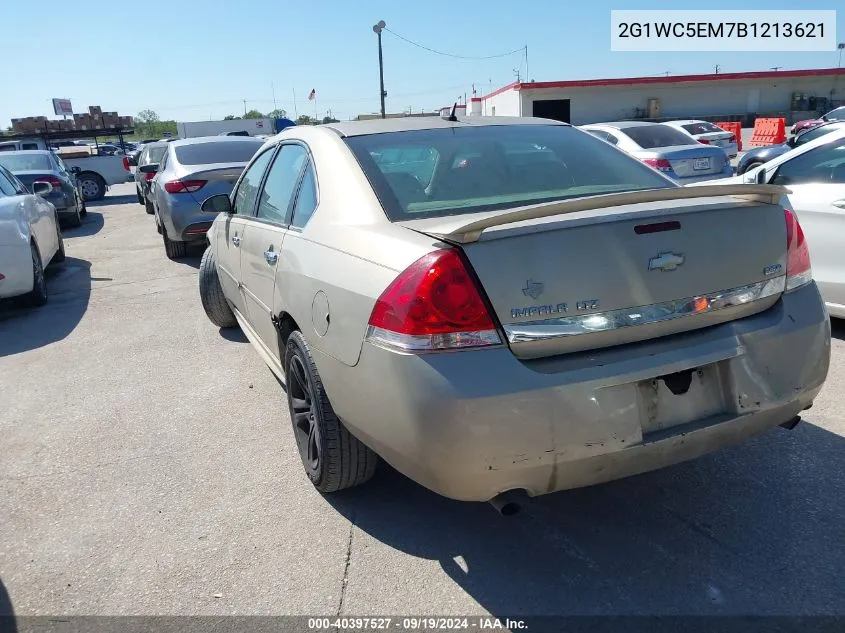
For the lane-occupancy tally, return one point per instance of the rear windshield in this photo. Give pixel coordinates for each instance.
(26, 162)
(217, 152)
(701, 128)
(461, 170)
(651, 136)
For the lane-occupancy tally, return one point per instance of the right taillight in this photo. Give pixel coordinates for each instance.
(434, 304)
(183, 186)
(704, 141)
(798, 271)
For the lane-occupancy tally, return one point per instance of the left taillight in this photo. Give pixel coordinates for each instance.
(660, 164)
(184, 186)
(126, 163)
(704, 141)
(798, 270)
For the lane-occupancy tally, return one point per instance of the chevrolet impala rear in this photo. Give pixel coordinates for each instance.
(557, 314)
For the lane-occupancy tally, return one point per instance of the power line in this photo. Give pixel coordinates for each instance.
(521, 49)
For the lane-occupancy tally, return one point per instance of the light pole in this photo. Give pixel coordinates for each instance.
(377, 29)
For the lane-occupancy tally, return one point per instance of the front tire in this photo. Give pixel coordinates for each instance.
(38, 295)
(750, 166)
(60, 254)
(211, 293)
(140, 197)
(333, 458)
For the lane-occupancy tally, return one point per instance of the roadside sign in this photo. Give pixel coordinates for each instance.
(62, 106)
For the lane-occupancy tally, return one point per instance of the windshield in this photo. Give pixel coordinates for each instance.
(651, 136)
(702, 127)
(25, 162)
(461, 170)
(217, 152)
(816, 132)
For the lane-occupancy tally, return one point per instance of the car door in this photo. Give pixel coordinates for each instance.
(229, 235)
(817, 182)
(264, 236)
(38, 214)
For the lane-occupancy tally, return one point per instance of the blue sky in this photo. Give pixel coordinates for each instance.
(195, 60)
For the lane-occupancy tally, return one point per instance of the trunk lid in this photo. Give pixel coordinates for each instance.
(219, 177)
(690, 160)
(718, 139)
(591, 278)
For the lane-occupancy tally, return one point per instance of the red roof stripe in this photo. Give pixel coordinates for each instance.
(632, 81)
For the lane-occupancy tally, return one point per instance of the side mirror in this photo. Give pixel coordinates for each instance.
(75, 170)
(760, 176)
(148, 169)
(217, 204)
(133, 162)
(791, 141)
(41, 188)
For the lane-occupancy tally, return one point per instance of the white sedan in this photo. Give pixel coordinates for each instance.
(815, 174)
(707, 133)
(30, 239)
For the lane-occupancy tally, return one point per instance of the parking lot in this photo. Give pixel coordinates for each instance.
(149, 468)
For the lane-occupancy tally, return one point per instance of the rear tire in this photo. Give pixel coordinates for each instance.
(149, 207)
(173, 250)
(76, 219)
(60, 254)
(93, 186)
(211, 293)
(140, 197)
(38, 295)
(333, 458)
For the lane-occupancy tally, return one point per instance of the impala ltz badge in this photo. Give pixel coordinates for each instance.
(532, 289)
(666, 262)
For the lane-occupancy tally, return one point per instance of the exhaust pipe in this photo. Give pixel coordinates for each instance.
(791, 424)
(508, 503)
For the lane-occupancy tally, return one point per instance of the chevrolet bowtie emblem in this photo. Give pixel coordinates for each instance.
(665, 262)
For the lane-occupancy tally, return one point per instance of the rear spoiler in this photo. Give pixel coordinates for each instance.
(451, 229)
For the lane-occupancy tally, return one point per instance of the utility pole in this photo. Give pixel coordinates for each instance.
(840, 47)
(377, 29)
(717, 69)
(244, 107)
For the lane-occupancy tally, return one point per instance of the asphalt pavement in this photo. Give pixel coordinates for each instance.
(148, 467)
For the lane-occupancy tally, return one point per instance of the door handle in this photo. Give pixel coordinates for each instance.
(236, 240)
(271, 256)
(839, 203)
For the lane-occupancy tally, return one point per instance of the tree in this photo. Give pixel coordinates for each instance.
(253, 114)
(147, 116)
(278, 113)
(231, 117)
(304, 119)
(328, 119)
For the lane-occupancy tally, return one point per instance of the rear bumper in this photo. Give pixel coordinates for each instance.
(16, 267)
(470, 425)
(182, 215)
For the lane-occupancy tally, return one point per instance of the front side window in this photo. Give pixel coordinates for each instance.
(281, 183)
(823, 165)
(483, 168)
(247, 191)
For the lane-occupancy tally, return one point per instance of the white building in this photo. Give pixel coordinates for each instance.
(794, 94)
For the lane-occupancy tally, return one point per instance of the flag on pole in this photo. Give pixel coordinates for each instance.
(312, 95)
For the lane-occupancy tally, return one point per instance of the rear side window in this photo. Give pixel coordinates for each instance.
(651, 136)
(151, 155)
(306, 200)
(26, 162)
(701, 128)
(480, 168)
(217, 152)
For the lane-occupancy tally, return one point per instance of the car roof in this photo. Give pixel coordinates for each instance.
(623, 124)
(685, 121)
(30, 151)
(406, 124)
(197, 140)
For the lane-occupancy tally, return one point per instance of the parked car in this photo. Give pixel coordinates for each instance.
(191, 170)
(107, 149)
(496, 304)
(759, 155)
(151, 153)
(669, 151)
(837, 114)
(30, 239)
(44, 166)
(814, 173)
(707, 133)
